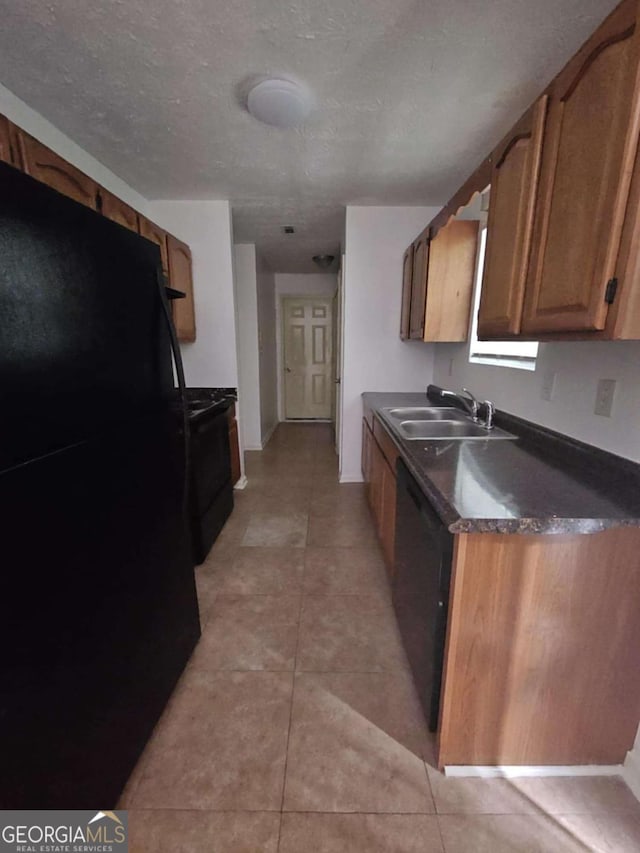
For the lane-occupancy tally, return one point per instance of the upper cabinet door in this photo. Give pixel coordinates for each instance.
(181, 278)
(46, 166)
(158, 236)
(115, 209)
(590, 144)
(514, 183)
(451, 270)
(407, 272)
(8, 154)
(419, 286)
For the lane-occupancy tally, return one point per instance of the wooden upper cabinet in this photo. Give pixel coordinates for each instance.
(115, 209)
(405, 315)
(181, 278)
(418, 286)
(514, 183)
(450, 274)
(590, 144)
(8, 148)
(47, 166)
(158, 236)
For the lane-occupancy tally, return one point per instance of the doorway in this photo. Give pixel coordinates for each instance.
(307, 336)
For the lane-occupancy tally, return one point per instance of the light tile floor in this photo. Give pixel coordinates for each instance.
(296, 727)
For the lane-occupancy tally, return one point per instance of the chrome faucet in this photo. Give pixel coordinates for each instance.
(469, 402)
(473, 406)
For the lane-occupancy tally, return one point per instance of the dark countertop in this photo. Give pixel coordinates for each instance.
(542, 482)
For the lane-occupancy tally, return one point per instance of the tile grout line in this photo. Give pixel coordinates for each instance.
(293, 688)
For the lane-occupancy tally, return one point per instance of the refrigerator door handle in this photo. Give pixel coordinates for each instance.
(177, 358)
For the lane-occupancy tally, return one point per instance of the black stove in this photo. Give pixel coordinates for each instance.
(210, 400)
(211, 490)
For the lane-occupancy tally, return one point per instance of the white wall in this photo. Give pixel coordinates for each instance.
(578, 367)
(309, 284)
(267, 346)
(297, 284)
(206, 226)
(24, 117)
(248, 354)
(374, 357)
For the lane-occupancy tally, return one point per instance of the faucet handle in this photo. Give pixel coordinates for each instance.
(489, 411)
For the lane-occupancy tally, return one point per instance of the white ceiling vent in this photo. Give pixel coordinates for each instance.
(281, 103)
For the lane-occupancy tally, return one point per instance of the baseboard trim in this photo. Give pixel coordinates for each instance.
(270, 432)
(514, 771)
(242, 483)
(631, 772)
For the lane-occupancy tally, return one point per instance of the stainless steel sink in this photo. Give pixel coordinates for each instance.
(447, 430)
(426, 413)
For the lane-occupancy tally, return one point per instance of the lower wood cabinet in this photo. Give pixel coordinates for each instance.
(365, 460)
(541, 659)
(378, 468)
(388, 516)
(234, 445)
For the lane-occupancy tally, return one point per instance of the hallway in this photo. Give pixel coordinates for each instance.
(296, 727)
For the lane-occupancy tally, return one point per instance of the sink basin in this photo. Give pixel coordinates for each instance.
(447, 430)
(426, 413)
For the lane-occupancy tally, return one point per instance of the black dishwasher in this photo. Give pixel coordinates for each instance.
(423, 557)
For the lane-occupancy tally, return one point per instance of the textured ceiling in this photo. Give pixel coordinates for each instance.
(410, 95)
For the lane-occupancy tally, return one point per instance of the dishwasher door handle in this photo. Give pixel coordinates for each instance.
(424, 508)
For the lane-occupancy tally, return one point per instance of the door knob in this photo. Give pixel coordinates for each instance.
(288, 369)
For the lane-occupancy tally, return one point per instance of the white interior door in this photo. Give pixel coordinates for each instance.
(308, 358)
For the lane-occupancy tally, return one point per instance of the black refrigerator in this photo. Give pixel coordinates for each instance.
(98, 610)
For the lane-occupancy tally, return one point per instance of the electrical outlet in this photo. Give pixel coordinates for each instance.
(604, 397)
(548, 385)
(450, 367)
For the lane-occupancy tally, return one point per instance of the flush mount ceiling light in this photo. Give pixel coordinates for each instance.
(280, 103)
(323, 261)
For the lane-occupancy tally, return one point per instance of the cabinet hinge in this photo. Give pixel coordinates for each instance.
(610, 292)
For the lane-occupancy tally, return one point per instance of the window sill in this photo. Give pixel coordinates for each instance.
(499, 361)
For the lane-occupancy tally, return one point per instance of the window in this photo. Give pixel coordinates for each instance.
(520, 354)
